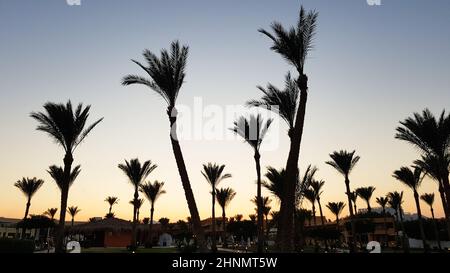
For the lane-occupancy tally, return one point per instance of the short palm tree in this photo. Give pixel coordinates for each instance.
(136, 174)
(73, 211)
(224, 197)
(336, 208)
(253, 130)
(167, 74)
(395, 201)
(111, 200)
(383, 201)
(28, 186)
(68, 128)
(354, 197)
(213, 174)
(413, 179)
(152, 191)
(266, 209)
(428, 198)
(293, 45)
(310, 195)
(317, 186)
(366, 193)
(137, 203)
(51, 212)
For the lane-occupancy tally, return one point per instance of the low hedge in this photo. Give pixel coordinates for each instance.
(8, 245)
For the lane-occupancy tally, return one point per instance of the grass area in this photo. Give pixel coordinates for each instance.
(124, 250)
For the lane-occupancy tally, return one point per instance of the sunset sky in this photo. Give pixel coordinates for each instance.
(372, 66)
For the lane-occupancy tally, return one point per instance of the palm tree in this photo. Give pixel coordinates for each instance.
(293, 45)
(152, 191)
(344, 162)
(336, 208)
(67, 128)
(383, 201)
(136, 174)
(213, 174)
(111, 200)
(366, 194)
(275, 182)
(137, 203)
(28, 186)
(432, 136)
(428, 198)
(266, 209)
(304, 184)
(413, 179)
(395, 202)
(224, 197)
(51, 212)
(73, 210)
(354, 197)
(317, 186)
(253, 131)
(310, 195)
(166, 78)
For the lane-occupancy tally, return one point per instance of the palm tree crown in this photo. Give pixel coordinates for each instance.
(343, 161)
(166, 72)
(57, 173)
(366, 194)
(73, 211)
(336, 208)
(428, 198)
(224, 196)
(152, 190)
(382, 201)
(112, 200)
(252, 129)
(213, 174)
(411, 178)
(51, 212)
(29, 186)
(136, 172)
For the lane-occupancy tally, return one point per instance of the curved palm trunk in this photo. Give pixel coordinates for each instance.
(59, 240)
(419, 214)
(436, 231)
(224, 231)
(350, 208)
(355, 208)
(260, 220)
(285, 234)
(27, 209)
(150, 227)
(195, 217)
(213, 241)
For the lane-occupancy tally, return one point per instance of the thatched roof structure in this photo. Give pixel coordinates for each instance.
(107, 224)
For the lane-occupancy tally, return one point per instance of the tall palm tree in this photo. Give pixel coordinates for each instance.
(336, 208)
(51, 212)
(213, 174)
(354, 197)
(28, 186)
(344, 162)
(413, 179)
(317, 186)
(253, 131)
(395, 202)
(431, 136)
(136, 174)
(366, 194)
(293, 45)
(428, 198)
(167, 74)
(68, 128)
(137, 203)
(152, 191)
(111, 200)
(73, 211)
(383, 201)
(310, 195)
(224, 197)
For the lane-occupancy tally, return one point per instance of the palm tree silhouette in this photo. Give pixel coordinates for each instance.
(28, 186)
(336, 208)
(224, 197)
(428, 198)
(166, 78)
(111, 200)
(253, 130)
(136, 174)
(431, 136)
(266, 209)
(152, 191)
(395, 202)
(293, 45)
(310, 195)
(353, 198)
(344, 162)
(213, 174)
(317, 186)
(67, 128)
(73, 211)
(366, 194)
(413, 179)
(138, 204)
(51, 212)
(383, 201)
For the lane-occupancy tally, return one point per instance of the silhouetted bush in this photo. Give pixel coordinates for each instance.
(8, 245)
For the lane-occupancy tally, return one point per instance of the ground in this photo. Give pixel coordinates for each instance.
(124, 250)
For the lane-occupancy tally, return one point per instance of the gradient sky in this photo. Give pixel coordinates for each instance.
(372, 67)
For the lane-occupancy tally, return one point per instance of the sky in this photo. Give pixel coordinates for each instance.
(371, 67)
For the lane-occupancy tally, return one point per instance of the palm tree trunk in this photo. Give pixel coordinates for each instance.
(285, 234)
(444, 200)
(354, 208)
(259, 204)
(369, 209)
(133, 227)
(110, 208)
(436, 231)
(350, 208)
(385, 227)
(27, 209)
(213, 241)
(314, 214)
(195, 217)
(404, 239)
(59, 244)
(224, 231)
(150, 227)
(419, 214)
(322, 220)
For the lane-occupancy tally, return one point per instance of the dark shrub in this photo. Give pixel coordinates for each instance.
(8, 245)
